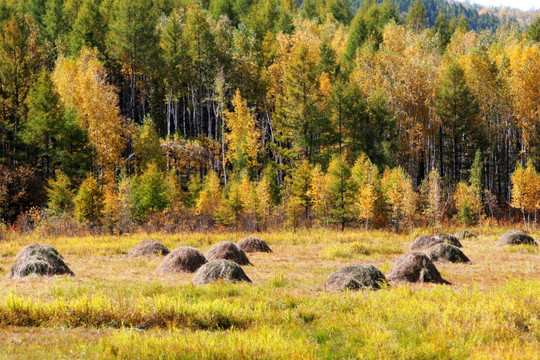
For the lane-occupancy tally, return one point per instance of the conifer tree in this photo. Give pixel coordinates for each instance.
(131, 41)
(89, 28)
(150, 192)
(318, 192)
(243, 137)
(417, 17)
(89, 202)
(60, 195)
(339, 194)
(52, 132)
(533, 33)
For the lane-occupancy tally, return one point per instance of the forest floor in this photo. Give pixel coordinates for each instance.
(119, 307)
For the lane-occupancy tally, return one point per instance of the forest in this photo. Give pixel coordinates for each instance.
(260, 114)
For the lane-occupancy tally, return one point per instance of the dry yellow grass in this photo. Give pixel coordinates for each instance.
(491, 308)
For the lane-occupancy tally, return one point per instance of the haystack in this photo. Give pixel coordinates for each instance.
(37, 249)
(515, 237)
(39, 260)
(253, 244)
(465, 234)
(182, 259)
(226, 250)
(415, 267)
(355, 277)
(425, 242)
(149, 247)
(450, 239)
(446, 252)
(219, 270)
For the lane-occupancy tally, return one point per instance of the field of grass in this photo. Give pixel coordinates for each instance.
(118, 307)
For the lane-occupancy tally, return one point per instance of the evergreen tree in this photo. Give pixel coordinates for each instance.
(89, 202)
(150, 192)
(339, 195)
(52, 132)
(458, 109)
(443, 29)
(60, 195)
(55, 24)
(89, 28)
(417, 17)
(131, 41)
(533, 33)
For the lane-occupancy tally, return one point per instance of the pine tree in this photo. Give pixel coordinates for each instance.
(301, 180)
(60, 195)
(131, 41)
(89, 202)
(533, 33)
(417, 17)
(150, 192)
(52, 132)
(210, 196)
(339, 194)
(318, 192)
(89, 28)
(243, 139)
(55, 25)
(458, 109)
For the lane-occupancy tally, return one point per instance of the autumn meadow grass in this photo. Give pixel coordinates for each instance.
(118, 307)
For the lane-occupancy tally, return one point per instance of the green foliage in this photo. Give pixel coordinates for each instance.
(533, 33)
(60, 194)
(89, 201)
(339, 190)
(417, 17)
(150, 192)
(89, 28)
(147, 147)
(56, 140)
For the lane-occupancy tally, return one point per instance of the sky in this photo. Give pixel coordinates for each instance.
(520, 4)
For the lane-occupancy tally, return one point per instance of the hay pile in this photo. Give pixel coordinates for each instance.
(415, 267)
(219, 270)
(355, 277)
(149, 247)
(465, 234)
(425, 242)
(182, 259)
(450, 239)
(226, 250)
(39, 260)
(516, 237)
(253, 244)
(446, 252)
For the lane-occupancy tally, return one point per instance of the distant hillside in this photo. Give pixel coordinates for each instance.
(479, 17)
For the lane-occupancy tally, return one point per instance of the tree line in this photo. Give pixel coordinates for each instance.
(252, 113)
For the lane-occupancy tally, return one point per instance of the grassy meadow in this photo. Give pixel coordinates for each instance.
(118, 307)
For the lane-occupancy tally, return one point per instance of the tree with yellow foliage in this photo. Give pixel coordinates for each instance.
(526, 191)
(365, 180)
(318, 192)
(243, 138)
(83, 86)
(399, 195)
(210, 195)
